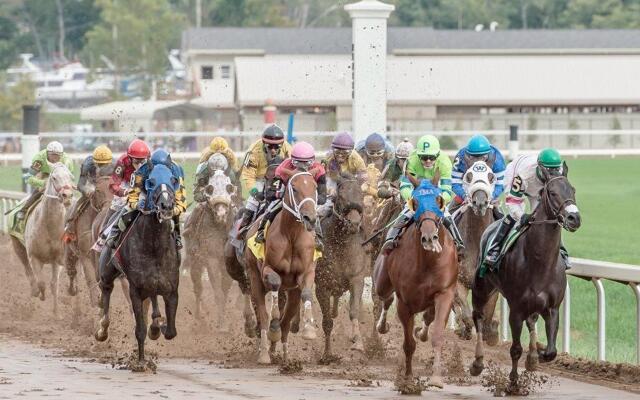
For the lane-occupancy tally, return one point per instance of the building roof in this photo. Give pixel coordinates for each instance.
(405, 40)
(142, 109)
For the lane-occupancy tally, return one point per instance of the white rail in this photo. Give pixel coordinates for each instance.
(596, 272)
(8, 200)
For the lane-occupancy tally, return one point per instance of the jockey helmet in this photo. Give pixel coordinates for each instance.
(217, 162)
(303, 151)
(428, 145)
(478, 145)
(161, 156)
(550, 158)
(342, 141)
(218, 144)
(374, 145)
(273, 134)
(102, 155)
(54, 148)
(404, 149)
(138, 149)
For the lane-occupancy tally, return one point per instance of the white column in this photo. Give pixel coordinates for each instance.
(369, 66)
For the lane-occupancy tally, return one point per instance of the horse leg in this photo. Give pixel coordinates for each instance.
(463, 312)
(141, 327)
(383, 288)
(196, 278)
(70, 263)
(21, 252)
(90, 278)
(258, 299)
(154, 328)
(55, 275)
(442, 306)
(291, 309)
(124, 284)
(250, 323)
(108, 274)
(355, 300)
(225, 288)
(170, 308)
(551, 323)
(409, 345)
(515, 322)
(305, 282)
(480, 294)
(38, 267)
(531, 363)
(382, 326)
(324, 299)
(427, 318)
(490, 333)
(274, 333)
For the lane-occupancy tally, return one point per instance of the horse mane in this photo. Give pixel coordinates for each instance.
(347, 176)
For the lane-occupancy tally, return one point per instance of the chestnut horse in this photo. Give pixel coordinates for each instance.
(530, 276)
(288, 265)
(422, 271)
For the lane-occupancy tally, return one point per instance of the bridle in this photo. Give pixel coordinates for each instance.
(546, 203)
(349, 206)
(294, 209)
(161, 214)
(436, 221)
(57, 190)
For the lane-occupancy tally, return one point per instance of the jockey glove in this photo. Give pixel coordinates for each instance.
(458, 199)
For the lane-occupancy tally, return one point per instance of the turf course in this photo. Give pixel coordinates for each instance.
(607, 193)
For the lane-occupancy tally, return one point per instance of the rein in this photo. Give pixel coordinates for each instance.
(435, 221)
(294, 209)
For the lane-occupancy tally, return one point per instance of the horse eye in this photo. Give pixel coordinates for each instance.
(468, 178)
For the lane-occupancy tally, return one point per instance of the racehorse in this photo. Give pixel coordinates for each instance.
(205, 235)
(289, 265)
(530, 276)
(422, 271)
(148, 257)
(345, 262)
(79, 250)
(43, 233)
(472, 218)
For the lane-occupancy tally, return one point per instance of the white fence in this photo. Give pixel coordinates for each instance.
(8, 200)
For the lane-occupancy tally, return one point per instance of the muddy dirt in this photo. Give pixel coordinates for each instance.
(213, 357)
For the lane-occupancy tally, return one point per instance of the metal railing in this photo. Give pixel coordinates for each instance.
(596, 272)
(8, 200)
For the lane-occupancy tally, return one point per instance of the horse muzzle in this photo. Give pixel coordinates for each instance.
(309, 222)
(479, 203)
(570, 218)
(431, 243)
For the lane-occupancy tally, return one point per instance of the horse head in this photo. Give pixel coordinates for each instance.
(479, 182)
(348, 206)
(301, 198)
(219, 192)
(60, 184)
(559, 199)
(428, 206)
(161, 187)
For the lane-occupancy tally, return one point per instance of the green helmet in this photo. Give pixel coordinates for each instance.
(428, 145)
(550, 158)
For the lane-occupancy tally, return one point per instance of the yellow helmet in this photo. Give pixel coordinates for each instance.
(218, 144)
(102, 155)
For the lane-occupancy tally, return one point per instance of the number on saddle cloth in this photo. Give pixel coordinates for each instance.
(425, 196)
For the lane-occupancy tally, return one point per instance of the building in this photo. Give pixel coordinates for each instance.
(443, 80)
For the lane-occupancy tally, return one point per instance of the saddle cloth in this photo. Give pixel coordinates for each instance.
(511, 239)
(17, 226)
(258, 248)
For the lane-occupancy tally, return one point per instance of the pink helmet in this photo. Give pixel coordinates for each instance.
(302, 151)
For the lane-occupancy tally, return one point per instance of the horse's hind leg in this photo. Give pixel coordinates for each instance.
(551, 323)
(21, 252)
(171, 308)
(429, 315)
(355, 301)
(442, 307)
(124, 284)
(154, 328)
(70, 263)
(382, 326)
(324, 300)
(195, 271)
(515, 322)
(531, 362)
(291, 309)
(90, 278)
(480, 294)
(463, 312)
(490, 334)
(409, 345)
(108, 274)
(141, 327)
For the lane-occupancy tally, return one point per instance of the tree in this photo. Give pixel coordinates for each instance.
(11, 103)
(135, 34)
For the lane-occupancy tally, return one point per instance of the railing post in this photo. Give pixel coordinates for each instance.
(602, 316)
(636, 290)
(566, 320)
(30, 140)
(514, 146)
(504, 319)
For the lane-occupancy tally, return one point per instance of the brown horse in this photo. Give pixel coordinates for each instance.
(288, 265)
(422, 271)
(345, 263)
(472, 219)
(531, 277)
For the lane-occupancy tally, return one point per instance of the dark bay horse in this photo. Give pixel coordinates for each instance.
(422, 271)
(149, 259)
(345, 262)
(472, 218)
(288, 265)
(531, 276)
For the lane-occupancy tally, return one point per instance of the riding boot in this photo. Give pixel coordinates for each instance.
(450, 224)
(496, 245)
(119, 227)
(70, 220)
(247, 217)
(269, 215)
(564, 254)
(33, 197)
(394, 231)
(318, 230)
(176, 231)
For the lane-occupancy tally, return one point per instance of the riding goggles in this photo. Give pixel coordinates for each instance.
(273, 146)
(138, 161)
(302, 165)
(429, 157)
(375, 153)
(341, 152)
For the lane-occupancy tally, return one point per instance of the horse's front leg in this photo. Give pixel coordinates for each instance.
(171, 308)
(55, 275)
(481, 292)
(291, 309)
(531, 362)
(324, 300)
(108, 274)
(70, 262)
(551, 323)
(490, 334)
(305, 282)
(195, 271)
(409, 344)
(355, 301)
(90, 278)
(141, 327)
(154, 328)
(258, 298)
(463, 312)
(442, 305)
(515, 322)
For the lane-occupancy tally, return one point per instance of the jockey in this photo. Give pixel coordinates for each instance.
(217, 161)
(302, 159)
(40, 170)
(270, 146)
(477, 149)
(219, 145)
(100, 163)
(136, 198)
(394, 170)
(425, 162)
(341, 158)
(523, 179)
(376, 150)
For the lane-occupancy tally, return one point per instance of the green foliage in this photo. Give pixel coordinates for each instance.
(11, 102)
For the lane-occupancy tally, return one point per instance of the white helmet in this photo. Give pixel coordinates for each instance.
(218, 162)
(404, 149)
(55, 147)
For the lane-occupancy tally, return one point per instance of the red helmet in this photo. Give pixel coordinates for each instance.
(138, 149)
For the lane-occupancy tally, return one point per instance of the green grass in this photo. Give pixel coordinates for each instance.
(607, 193)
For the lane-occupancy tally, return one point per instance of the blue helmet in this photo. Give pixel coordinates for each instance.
(161, 156)
(478, 145)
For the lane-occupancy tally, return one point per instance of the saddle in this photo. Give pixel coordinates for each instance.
(258, 248)
(510, 240)
(17, 226)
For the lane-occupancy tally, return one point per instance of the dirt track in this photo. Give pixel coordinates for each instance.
(45, 356)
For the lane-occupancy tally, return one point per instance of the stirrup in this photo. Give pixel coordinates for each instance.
(179, 244)
(319, 246)
(260, 237)
(388, 246)
(20, 215)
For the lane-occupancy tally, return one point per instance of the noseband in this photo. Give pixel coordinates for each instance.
(294, 209)
(546, 203)
(437, 222)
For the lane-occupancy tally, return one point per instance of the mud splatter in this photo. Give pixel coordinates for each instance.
(409, 385)
(619, 372)
(496, 380)
(454, 367)
(290, 367)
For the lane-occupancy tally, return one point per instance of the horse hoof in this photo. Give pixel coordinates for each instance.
(72, 291)
(264, 358)
(274, 336)
(491, 334)
(419, 334)
(101, 335)
(531, 363)
(436, 381)
(154, 332)
(250, 330)
(545, 357)
(476, 368)
(357, 345)
(295, 327)
(309, 333)
(168, 333)
(382, 328)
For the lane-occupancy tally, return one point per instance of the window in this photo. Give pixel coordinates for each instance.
(207, 72)
(225, 71)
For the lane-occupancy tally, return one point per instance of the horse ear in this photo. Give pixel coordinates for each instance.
(440, 202)
(565, 169)
(544, 174)
(414, 204)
